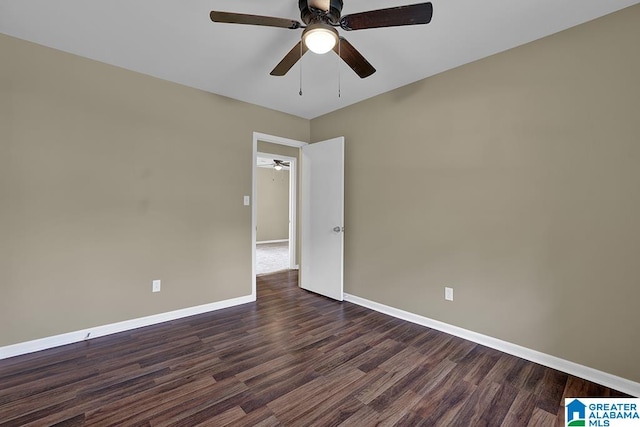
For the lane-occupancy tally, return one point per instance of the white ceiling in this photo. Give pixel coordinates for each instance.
(175, 40)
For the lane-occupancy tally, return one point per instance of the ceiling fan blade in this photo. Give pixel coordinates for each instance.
(241, 18)
(324, 5)
(290, 59)
(353, 58)
(392, 17)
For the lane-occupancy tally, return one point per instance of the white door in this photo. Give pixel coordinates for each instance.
(322, 218)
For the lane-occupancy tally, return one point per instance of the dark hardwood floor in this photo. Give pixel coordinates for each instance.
(292, 358)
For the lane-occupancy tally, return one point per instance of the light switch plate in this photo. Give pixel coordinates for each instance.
(247, 200)
(155, 286)
(448, 294)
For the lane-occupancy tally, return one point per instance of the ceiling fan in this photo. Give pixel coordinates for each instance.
(320, 18)
(279, 164)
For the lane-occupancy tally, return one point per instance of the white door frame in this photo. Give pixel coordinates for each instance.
(257, 136)
(292, 200)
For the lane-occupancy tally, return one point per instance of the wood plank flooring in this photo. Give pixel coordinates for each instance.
(292, 358)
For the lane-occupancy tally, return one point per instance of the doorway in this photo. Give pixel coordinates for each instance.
(278, 148)
(276, 212)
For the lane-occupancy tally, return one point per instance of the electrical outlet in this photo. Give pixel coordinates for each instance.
(448, 294)
(155, 287)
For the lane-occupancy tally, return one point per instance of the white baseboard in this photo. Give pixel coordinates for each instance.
(99, 331)
(603, 378)
(271, 241)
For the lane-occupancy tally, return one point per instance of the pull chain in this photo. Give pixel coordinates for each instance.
(300, 69)
(339, 57)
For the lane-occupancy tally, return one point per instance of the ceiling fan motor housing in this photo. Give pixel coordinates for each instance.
(311, 16)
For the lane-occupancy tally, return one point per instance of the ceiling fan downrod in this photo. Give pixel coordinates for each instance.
(314, 11)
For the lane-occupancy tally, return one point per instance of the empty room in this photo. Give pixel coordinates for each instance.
(463, 227)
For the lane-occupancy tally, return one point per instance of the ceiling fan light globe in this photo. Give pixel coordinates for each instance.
(320, 39)
(278, 167)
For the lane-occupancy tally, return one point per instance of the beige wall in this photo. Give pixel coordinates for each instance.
(278, 149)
(110, 179)
(515, 180)
(273, 204)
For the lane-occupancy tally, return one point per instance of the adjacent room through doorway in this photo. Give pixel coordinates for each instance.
(272, 257)
(273, 185)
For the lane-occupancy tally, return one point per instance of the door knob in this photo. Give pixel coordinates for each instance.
(338, 229)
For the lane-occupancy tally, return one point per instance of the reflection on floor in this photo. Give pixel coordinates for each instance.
(272, 257)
